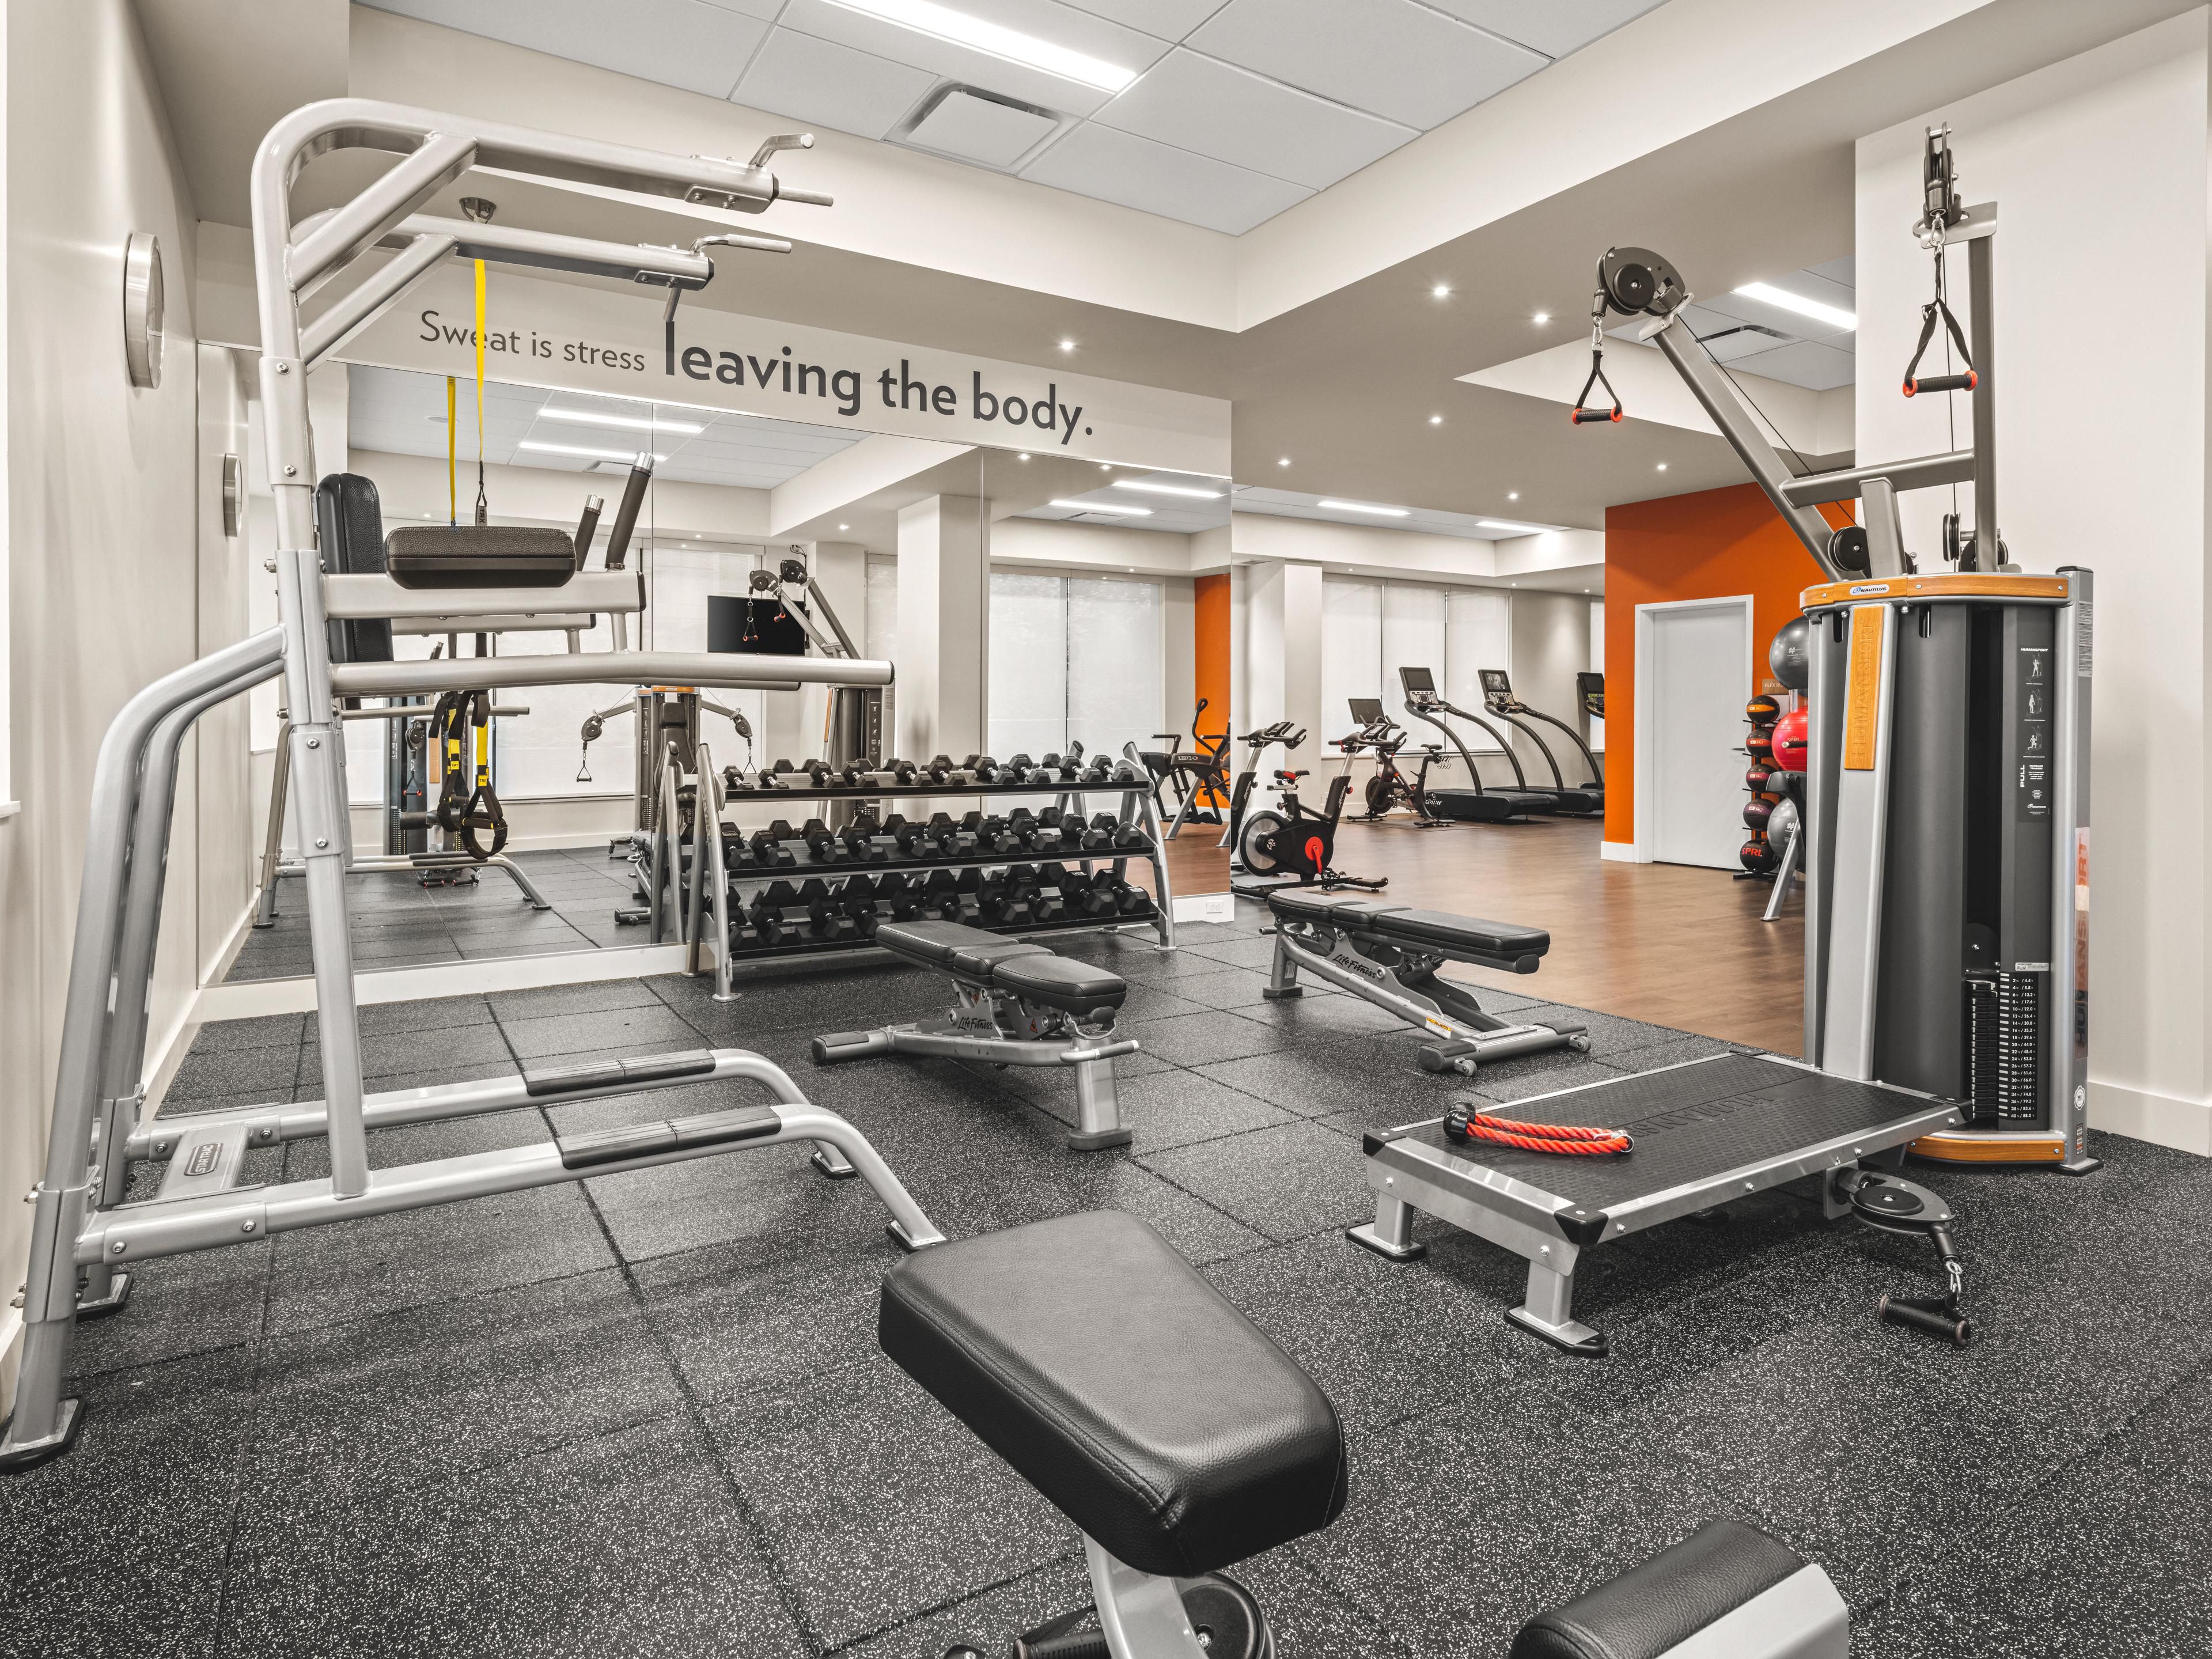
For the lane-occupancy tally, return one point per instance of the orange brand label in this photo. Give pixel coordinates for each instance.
(1863, 698)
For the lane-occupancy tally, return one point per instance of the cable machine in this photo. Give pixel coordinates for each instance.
(1947, 819)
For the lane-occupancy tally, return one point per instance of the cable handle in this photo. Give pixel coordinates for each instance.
(1584, 414)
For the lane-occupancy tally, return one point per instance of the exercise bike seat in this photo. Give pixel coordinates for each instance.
(1122, 1386)
(1503, 944)
(1089, 992)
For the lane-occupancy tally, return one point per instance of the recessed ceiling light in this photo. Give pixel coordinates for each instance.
(1441, 291)
(927, 18)
(844, 526)
(630, 422)
(1106, 506)
(1105, 467)
(1663, 466)
(1166, 489)
(1512, 494)
(1543, 316)
(1286, 461)
(1767, 293)
(1024, 456)
(584, 450)
(1068, 345)
(1508, 526)
(1435, 420)
(1363, 506)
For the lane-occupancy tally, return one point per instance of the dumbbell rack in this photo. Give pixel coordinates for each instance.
(731, 886)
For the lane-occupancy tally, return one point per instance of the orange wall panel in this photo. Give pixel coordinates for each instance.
(1710, 544)
(1210, 629)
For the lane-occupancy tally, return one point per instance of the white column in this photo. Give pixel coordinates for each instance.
(944, 627)
(1301, 670)
(841, 570)
(1282, 656)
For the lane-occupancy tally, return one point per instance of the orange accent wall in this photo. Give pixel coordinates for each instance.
(1701, 546)
(1209, 628)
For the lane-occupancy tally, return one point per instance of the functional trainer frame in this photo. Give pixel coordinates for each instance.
(84, 1235)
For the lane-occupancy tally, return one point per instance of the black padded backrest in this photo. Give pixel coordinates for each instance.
(480, 556)
(350, 531)
(1653, 1607)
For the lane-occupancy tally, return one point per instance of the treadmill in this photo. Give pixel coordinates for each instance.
(1590, 687)
(1584, 800)
(1477, 804)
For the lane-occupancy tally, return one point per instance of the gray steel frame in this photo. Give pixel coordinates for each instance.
(1469, 1035)
(1407, 1175)
(81, 1228)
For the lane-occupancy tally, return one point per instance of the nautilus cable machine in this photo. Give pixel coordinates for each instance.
(1946, 911)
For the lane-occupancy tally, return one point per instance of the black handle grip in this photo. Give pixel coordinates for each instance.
(626, 514)
(1584, 416)
(1966, 382)
(1928, 1314)
(586, 527)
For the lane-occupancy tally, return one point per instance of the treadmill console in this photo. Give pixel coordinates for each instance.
(1498, 692)
(1421, 687)
(1592, 689)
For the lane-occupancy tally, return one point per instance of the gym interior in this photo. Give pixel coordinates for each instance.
(1137, 828)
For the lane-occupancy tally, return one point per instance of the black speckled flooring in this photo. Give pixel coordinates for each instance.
(644, 1415)
(397, 922)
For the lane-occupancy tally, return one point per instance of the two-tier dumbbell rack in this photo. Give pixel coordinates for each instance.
(735, 883)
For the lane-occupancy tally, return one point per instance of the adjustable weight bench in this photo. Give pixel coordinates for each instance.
(1015, 1004)
(1180, 1441)
(1388, 954)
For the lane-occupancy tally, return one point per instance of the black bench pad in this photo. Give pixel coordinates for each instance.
(1009, 964)
(1466, 937)
(1127, 1389)
(1076, 988)
(1653, 1607)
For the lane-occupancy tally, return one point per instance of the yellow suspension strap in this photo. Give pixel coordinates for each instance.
(483, 811)
(446, 718)
(483, 508)
(452, 461)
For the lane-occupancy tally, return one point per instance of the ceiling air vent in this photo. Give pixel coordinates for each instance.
(979, 127)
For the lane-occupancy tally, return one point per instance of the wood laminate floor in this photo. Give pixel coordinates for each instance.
(1664, 942)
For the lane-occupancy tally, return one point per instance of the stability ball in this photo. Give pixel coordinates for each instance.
(1786, 655)
(1791, 738)
(1781, 823)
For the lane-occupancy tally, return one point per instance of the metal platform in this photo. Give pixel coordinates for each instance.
(1706, 1131)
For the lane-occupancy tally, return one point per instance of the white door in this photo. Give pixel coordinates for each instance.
(1700, 656)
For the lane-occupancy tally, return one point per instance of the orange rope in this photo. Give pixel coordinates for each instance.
(1566, 1140)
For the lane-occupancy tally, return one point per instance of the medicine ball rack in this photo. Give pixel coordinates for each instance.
(746, 868)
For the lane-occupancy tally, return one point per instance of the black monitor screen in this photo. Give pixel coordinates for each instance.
(1417, 679)
(1365, 710)
(1586, 683)
(1497, 680)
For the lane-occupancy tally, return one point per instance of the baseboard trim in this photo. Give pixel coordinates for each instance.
(1622, 852)
(2164, 1120)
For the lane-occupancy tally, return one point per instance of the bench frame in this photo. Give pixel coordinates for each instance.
(1403, 980)
(1000, 1028)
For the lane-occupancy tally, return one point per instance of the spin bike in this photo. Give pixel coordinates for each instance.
(1388, 788)
(1291, 845)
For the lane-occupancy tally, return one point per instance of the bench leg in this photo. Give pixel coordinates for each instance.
(1098, 1109)
(1390, 1235)
(1548, 1311)
(1283, 976)
(1138, 1613)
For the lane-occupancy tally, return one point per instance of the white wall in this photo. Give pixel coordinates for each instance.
(103, 541)
(2098, 165)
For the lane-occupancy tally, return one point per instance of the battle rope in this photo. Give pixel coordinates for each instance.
(1566, 1140)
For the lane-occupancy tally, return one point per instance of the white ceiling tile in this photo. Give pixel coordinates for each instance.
(1747, 310)
(1807, 363)
(1843, 270)
(1197, 103)
(1119, 166)
(829, 85)
(687, 44)
(1170, 20)
(1391, 57)
(980, 129)
(1061, 25)
(763, 9)
(1554, 28)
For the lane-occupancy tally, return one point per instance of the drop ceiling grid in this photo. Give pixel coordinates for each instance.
(1240, 109)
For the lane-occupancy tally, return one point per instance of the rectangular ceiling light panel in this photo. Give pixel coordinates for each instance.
(927, 18)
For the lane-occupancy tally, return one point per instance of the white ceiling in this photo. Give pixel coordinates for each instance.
(1771, 341)
(1289, 504)
(1188, 515)
(405, 413)
(1241, 107)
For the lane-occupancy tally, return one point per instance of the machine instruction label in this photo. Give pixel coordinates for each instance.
(1862, 696)
(2032, 787)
